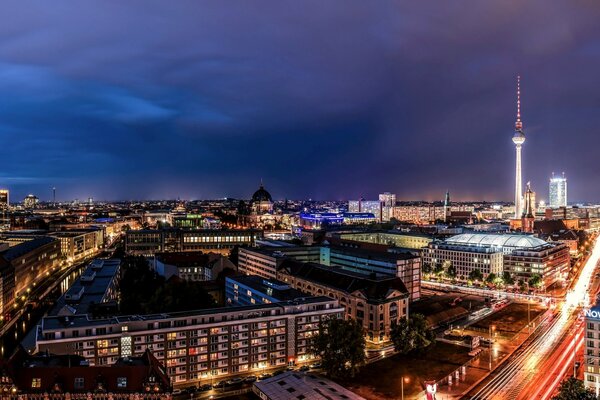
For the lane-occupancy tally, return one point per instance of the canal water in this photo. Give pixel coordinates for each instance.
(23, 330)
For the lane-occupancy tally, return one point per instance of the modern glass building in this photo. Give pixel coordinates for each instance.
(558, 191)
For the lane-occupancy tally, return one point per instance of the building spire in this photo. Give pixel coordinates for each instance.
(518, 124)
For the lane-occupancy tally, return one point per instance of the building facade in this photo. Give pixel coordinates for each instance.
(150, 241)
(558, 191)
(523, 256)
(198, 345)
(591, 357)
(375, 302)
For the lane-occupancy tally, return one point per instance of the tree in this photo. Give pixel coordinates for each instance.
(573, 389)
(438, 269)
(507, 278)
(491, 278)
(341, 345)
(451, 271)
(426, 268)
(535, 281)
(411, 334)
(476, 275)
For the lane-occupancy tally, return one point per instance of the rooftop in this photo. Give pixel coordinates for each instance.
(501, 241)
(374, 288)
(293, 385)
(271, 287)
(26, 247)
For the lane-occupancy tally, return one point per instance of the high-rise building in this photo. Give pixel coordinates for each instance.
(4, 199)
(388, 202)
(518, 139)
(30, 201)
(558, 191)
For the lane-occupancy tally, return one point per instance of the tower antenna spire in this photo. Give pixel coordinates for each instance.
(518, 123)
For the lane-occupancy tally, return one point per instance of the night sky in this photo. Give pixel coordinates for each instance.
(322, 99)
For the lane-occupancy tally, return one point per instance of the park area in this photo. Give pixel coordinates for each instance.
(510, 320)
(382, 379)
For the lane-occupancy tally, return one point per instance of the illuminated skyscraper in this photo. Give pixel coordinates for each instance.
(4, 199)
(518, 139)
(558, 191)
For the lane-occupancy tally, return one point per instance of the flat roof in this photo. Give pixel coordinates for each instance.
(269, 287)
(296, 385)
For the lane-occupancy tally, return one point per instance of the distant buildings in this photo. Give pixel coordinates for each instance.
(30, 202)
(4, 199)
(558, 191)
(388, 202)
(150, 241)
(26, 264)
(191, 265)
(366, 206)
(78, 244)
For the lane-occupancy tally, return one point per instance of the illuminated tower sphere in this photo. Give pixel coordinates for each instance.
(518, 139)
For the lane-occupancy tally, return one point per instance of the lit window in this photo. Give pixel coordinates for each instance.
(121, 382)
(36, 383)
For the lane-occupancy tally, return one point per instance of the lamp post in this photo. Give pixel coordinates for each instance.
(402, 385)
(492, 329)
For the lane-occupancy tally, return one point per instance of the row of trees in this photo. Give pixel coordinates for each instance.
(448, 270)
(341, 343)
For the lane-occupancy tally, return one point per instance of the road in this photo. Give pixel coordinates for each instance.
(536, 368)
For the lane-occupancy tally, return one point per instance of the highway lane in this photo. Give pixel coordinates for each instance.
(518, 374)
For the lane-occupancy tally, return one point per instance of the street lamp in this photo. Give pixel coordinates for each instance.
(402, 385)
(492, 329)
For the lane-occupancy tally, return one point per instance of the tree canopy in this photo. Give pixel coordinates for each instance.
(341, 345)
(411, 334)
(574, 389)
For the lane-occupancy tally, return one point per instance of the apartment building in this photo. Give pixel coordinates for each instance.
(78, 244)
(196, 345)
(591, 358)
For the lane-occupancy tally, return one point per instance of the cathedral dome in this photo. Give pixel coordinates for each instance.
(261, 195)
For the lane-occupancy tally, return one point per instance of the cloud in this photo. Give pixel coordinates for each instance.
(333, 100)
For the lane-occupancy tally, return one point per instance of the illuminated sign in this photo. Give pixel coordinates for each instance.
(591, 313)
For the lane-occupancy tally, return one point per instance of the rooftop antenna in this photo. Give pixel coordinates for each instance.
(518, 123)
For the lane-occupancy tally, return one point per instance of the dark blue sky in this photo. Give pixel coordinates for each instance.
(334, 99)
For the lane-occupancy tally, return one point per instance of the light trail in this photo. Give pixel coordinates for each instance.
(524, 364)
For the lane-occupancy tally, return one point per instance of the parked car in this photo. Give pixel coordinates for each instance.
(304, 368)
(218, 385)
(204, 388)
(234, 381)
(190, 389)
(176, 392)
(250, 379)
(315, 365)
(264, 376)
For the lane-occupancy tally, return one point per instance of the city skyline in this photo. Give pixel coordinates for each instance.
(286, 97)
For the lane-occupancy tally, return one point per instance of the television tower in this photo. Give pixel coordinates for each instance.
(518, 139)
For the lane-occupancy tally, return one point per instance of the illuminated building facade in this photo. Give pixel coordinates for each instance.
(196, 345)
(520, 255)
(388, 202)
(591, 356)
(150, 241)
(366, 206)
(375, 302)
(558, 191)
